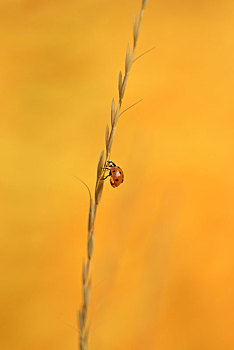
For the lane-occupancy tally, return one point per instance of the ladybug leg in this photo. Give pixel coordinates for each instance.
(106, 168)
(104, 178)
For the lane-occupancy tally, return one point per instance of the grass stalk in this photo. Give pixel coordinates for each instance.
(109, 138)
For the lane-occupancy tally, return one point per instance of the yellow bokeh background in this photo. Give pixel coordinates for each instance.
(163, 269)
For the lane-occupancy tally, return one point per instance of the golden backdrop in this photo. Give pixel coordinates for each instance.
(163, 270)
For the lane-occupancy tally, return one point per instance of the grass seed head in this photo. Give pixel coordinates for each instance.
(109, 138)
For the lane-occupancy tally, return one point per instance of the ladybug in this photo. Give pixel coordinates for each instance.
(115, 172)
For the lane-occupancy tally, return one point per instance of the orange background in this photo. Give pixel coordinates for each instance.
(163, 271)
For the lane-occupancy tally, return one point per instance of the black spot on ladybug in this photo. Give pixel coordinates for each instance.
(113, 171)
(116, 179)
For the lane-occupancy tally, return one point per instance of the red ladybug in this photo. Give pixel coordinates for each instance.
(115, 172)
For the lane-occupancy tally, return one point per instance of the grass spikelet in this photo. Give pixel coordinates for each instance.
(113, 112)
(104, 157)
(91, 215)
(100, 165)
(127, 59)
(144, 3)
(107, 137)
(98, 192)
(85, 273)
(135, 29)
(120, 84)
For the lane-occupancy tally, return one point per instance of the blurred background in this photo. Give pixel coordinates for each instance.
(163, 269)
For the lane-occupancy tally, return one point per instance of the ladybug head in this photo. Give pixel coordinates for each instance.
(110, 163)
